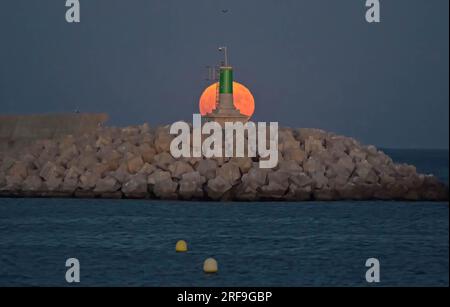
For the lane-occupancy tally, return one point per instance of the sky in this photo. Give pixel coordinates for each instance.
(308, 63)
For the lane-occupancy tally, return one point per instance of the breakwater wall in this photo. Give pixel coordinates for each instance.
(16, 131)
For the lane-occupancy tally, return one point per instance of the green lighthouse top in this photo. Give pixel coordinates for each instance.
(226, 80)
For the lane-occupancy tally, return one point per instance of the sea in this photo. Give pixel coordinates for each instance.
(270, 244)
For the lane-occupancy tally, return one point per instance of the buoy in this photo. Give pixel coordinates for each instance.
(210, 265)
(181, 246)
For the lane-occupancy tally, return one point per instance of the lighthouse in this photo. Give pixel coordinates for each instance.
(225, 110)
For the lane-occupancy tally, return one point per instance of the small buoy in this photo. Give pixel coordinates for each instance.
(181, 246)
(210, 265)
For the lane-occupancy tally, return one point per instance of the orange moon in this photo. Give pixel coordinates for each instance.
(243, 99)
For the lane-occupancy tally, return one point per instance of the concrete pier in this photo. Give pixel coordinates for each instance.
(19, 130)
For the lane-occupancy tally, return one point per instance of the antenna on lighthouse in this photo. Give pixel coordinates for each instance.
(212, 73)
(224, 49)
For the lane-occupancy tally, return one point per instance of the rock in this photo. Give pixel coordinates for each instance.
(191, 185)
(325, 194)
(86, 162)
(51, 170)
(230, 172)
(163, 140)
(353, 191)
(386, 179)
(158, 176)
(290, 166)
(312, 166)
(300, 180)
(18, 169)
(273, 190)
(192, 160)
(278, 185)
(144, 128)
(433, 190)
(207, 168)
(73, 172)
(295, 154)
(404, 170)
(121, 174)
(345, 165)
(296, 193)
(109, 154)
(365, 171)
(319, 180)
(336, 145)
(246, 193)
(385, 170)
(305, 133)
(69, 185)
(13, 183)
(107, 184)
(130, 131)
(244, 164)
(88, 180)
(163, 160)
(29, 161)
(49, 153)
(371, 150)
(135, 164)
(166, 189)
(102, 168)
(255, 178)
(147, 152)
(127, 147)
(313, 146)
(53, 184)
(286, 141)
(103, 141)
(412, 195)
(325, 158)
(414, 181)
(280, 178)
(357, 155)
(338, 181)
(436, 194)
(285, 135)
(32, 183)
(179, 168)
(67, 154)
(220, 161)
(147, 169)
(380, 160)
(6, 164)
(136, 186)
(341, 170)
(217, 187)
(2, 180)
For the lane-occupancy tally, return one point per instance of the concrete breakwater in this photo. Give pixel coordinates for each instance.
(18, 131)
(135, 162)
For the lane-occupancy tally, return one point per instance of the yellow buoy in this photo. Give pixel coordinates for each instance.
(210, 265)
(181, 246)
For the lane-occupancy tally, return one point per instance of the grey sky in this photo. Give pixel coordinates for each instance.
(309, 63)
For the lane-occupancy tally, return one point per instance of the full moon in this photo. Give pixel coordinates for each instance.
(243, 99)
